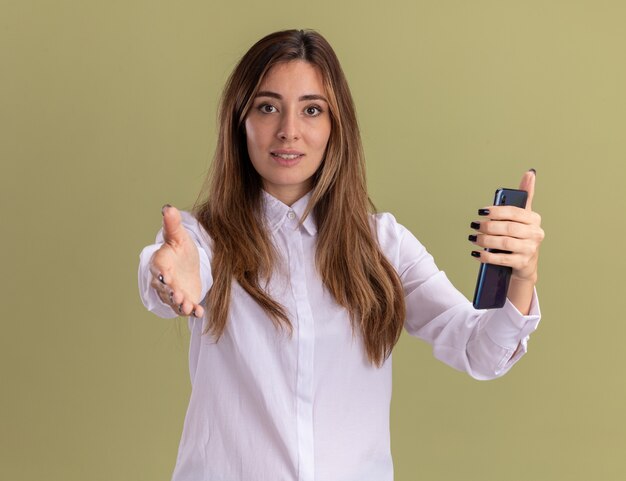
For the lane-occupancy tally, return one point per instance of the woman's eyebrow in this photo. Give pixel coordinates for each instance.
(313, 97)
(267, 93)
(274, 95)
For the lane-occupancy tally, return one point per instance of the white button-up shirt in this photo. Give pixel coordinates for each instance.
(267, 407)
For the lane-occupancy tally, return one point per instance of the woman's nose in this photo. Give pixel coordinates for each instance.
(289, 128)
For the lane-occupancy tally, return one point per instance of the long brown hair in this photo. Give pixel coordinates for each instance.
(348, 256)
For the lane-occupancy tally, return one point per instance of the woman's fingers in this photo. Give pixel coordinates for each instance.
(510, 229)
(509, 212)
(173, 231)
(519, 239)
(528, 184)
(165, 293)
(504, 243)
(188, 308)
(161, 289)
(515, 261)
(180, 303)
(516, 232)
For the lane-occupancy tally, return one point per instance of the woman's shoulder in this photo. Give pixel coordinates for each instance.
(387, 227)
(397, 242)
(391, 234)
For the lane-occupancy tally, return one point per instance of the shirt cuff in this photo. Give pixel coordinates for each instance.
(148, 294)
(507, 327)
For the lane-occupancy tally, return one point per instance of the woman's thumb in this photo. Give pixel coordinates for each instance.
(173, 231)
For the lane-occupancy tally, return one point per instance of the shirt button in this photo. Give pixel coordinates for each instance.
(291, 215)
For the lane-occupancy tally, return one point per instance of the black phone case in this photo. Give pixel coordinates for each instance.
(492, 284)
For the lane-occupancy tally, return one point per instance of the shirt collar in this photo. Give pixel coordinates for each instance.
(277, 213)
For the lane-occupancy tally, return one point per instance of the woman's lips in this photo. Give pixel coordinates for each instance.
(286, 158)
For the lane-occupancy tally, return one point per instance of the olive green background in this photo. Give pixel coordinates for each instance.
(107, 111)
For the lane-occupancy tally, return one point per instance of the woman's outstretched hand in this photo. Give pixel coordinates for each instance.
(175, 267)
(515, 230)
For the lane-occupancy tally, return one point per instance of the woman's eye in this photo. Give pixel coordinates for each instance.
(313, 111)
(267, 108)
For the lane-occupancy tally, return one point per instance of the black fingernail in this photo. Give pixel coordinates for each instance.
(475, 254)
(483, 211)
(163, 208)
(533, 171)
(475, 225)
(472, 238)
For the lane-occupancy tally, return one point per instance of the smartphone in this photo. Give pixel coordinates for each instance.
(493, 280)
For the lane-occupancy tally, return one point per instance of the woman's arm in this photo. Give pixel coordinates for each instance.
(483, 343)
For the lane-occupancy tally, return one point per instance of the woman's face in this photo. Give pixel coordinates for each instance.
(287, 129)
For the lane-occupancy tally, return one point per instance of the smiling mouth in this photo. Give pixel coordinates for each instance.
(286, 156)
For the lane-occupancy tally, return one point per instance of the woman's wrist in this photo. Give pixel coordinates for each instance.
(521, 292)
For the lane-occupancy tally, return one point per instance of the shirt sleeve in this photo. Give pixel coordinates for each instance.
(149, 297)
(483, 343)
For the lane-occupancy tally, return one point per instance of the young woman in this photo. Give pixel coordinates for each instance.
(297, 292)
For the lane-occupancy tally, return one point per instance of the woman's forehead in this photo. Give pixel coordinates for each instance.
(293, 76)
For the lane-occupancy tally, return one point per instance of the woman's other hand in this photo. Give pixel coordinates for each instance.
(175, 267)
(515, 230)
